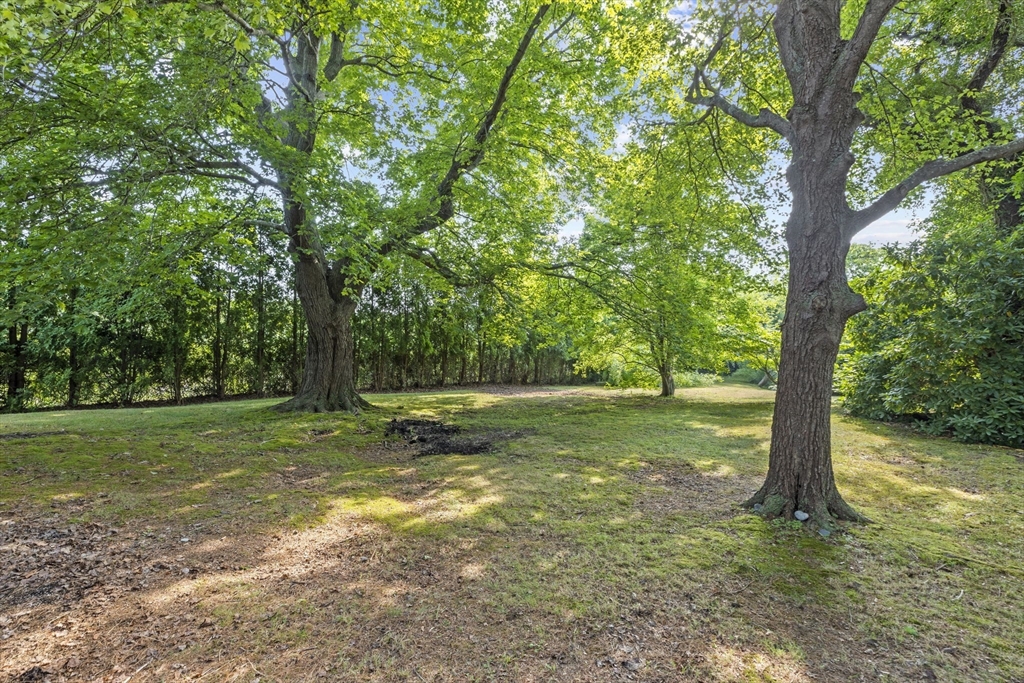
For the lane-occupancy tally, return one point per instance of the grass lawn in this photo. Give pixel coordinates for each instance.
(600, 541)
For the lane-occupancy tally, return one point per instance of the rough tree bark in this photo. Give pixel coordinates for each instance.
(996, 184)
(328, 381)
(822, 70)
(668, 382)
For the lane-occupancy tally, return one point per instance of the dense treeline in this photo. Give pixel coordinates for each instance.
(226, 330)
(942, 345)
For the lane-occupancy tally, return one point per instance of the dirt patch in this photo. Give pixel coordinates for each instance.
(50, 560)
(681, 487)
(432, 437)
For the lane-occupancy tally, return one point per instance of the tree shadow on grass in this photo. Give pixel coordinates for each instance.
(605, 547)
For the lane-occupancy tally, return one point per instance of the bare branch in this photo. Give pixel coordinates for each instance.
(766, 118)
(929, 171)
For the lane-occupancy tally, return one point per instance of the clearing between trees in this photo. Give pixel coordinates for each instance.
(597, 538)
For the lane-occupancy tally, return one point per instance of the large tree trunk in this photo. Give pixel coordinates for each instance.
(668, 381)
(328, 375)
(800, 462)
(328, 378)
(821, 126)
(818, 303)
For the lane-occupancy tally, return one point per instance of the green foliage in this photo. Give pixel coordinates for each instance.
(747, 375)
(656, 277)
(755, 338)
(943, 341)
(693, 380)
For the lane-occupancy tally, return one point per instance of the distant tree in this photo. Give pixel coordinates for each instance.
(658, 266)
(755, 336)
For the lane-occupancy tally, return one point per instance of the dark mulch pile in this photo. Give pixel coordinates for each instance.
(437, 438)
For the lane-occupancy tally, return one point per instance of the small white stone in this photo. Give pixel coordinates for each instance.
(801, 516)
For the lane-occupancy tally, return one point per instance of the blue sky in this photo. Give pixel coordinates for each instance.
(894, 227)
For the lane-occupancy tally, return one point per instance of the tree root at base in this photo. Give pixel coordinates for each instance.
(354, 404)
(775, 504)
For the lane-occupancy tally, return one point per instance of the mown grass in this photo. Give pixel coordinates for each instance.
(612, 521)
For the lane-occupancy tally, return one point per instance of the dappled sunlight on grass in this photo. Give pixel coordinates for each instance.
(974, 497)
(609, 531)
(736, 664)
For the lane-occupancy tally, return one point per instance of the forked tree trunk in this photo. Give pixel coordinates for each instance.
(328, 381)
(328, 377)
(668, 381)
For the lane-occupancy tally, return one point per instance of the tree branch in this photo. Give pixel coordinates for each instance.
(197, 165)
(929, 171)
(856, 49)
(462, 164)
(246, 27)
(429, 258)
(766, 118)
(336, 59)
(997, 48)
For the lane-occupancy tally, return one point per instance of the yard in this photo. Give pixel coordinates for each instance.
(597, 538)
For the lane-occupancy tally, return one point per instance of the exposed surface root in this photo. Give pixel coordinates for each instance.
(354, 404)
(772, 503)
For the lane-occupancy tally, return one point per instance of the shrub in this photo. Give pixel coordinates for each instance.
(942, 344)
